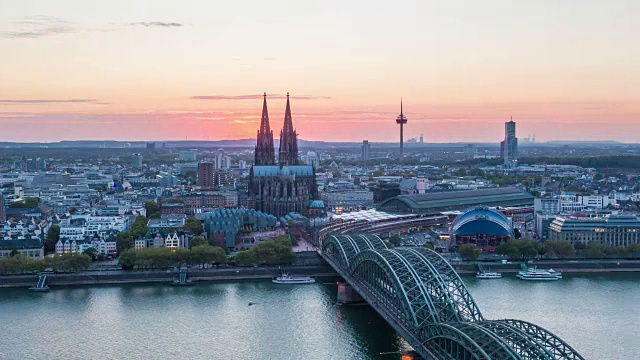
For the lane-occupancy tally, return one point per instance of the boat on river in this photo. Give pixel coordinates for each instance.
(285, 278)
(488, 275)
(537, 274)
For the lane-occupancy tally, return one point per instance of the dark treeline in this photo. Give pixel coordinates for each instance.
(21, 264)
(598, 162)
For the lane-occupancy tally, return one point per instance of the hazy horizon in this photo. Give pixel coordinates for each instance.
(150, 70)
(276, 142)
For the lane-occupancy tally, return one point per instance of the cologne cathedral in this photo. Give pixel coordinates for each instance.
(282, 187)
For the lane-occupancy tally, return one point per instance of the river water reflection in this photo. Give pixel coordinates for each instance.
(596, 314)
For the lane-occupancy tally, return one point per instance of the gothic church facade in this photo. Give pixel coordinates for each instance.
(282, 187)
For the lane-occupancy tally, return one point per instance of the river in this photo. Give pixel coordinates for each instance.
(596, 314)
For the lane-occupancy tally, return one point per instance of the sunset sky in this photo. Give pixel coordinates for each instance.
(176, 70)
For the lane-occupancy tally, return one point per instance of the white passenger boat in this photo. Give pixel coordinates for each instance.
(488, 275)
(285, 278)
(536, 274)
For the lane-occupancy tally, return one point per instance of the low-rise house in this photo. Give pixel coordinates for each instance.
(140, 243)
(31, 247)
(105, 246)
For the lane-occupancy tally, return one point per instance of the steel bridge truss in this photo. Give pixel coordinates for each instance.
(426, 298)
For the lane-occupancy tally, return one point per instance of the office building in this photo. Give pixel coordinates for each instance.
(615, 230)
(224, 178)
(3, 211)
(220, 159)
(564, 204)
(365, 151)
(137, 161)
(312, 159)
(28, 246)
(205, 174)
(167, 180)
(187, 156)
(348, 198)
(509, 147)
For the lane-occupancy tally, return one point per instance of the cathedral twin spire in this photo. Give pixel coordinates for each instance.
(265, 153)
(288, 140)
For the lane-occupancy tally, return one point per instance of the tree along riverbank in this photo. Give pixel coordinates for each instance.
(311, 266)
(163, 276)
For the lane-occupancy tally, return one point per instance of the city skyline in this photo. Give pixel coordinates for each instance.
(156, 71)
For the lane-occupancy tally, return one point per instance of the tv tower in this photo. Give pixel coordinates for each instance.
(401, 119)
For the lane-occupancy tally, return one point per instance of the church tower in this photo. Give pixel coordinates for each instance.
(288, 140)
(265, 153)
(280, 190)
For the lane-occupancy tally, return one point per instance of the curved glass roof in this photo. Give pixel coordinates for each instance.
(481, 220)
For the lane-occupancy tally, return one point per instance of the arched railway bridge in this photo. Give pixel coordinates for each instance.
(421, 296)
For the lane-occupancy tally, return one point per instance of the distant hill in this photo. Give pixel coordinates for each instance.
(569, 142)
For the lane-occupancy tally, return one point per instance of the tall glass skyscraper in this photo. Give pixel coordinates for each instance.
(509, 146)
(366, 150)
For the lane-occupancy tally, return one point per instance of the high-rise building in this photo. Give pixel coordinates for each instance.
(470, 151)
(137, 161)
(41, 164)
(187, 156)
(312, 159)
(220, 159)
(36, 164)
(288, 154)
(509, 147)
(226, 164)
(401, 120)
(421, 138)
(264, 152)
(242, 164)
(366, 150)
(3, 211)
(224, 178)
(206, 174)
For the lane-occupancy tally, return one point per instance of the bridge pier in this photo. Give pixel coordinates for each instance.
(347, 294)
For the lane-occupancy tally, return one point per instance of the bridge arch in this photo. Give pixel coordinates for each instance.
(460, 341)
(424, 298)
(466, 307)
(343, 248)
(387, 278)
(558, 347)
(339, 249)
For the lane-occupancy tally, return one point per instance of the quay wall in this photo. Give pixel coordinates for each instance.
(307, 263)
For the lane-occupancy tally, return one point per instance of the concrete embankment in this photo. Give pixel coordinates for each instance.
(565, 266)
(162, 276)
(309, 263)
